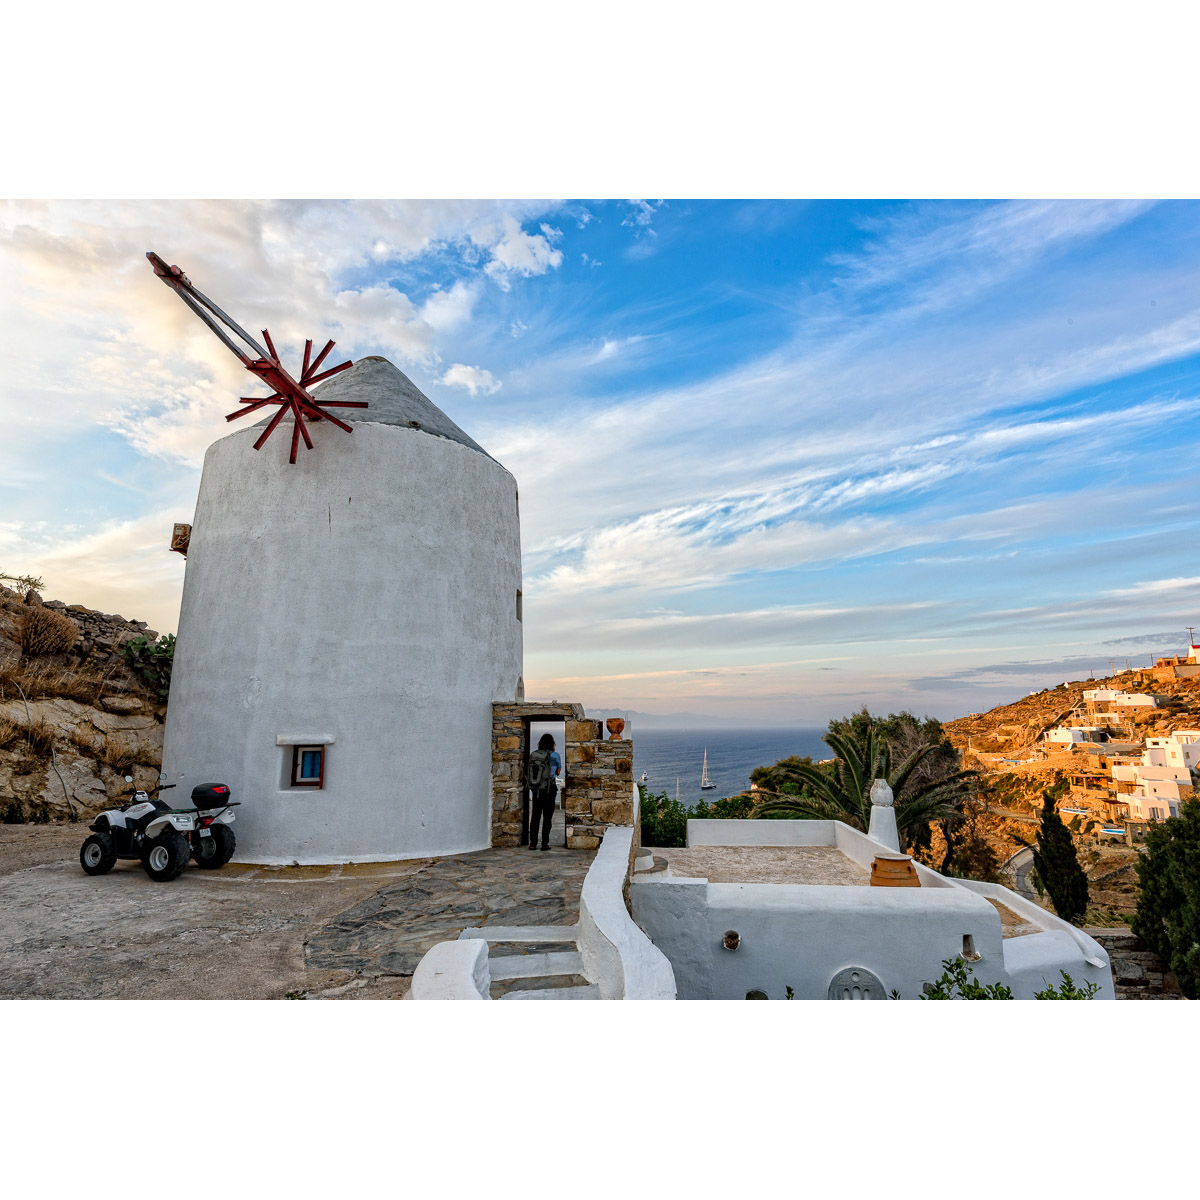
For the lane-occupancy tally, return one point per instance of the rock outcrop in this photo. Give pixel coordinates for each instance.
(72, 724)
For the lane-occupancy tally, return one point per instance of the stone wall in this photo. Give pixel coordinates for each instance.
(1139, 974)
(598, 774)
(100, 634)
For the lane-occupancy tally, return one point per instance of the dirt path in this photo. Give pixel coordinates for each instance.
(237, 933)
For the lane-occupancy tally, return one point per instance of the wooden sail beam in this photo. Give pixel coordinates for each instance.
(292, 395)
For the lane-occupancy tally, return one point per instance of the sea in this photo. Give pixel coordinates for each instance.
(667, 755)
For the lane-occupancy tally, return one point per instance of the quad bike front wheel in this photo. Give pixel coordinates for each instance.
(98, 854)
(216, 851)
(165, 856)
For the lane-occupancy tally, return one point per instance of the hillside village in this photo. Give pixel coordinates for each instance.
(1116, 754)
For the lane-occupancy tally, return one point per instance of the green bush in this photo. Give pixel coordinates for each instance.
(151, 661)
(664, 821)
(732, 808)
(1068, 990)
(1168, 909)
(13, 813)
(959, 983)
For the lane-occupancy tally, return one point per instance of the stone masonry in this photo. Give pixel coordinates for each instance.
(598, 773)
(1138, 973)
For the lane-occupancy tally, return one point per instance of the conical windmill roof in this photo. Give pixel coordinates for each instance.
(393, 399)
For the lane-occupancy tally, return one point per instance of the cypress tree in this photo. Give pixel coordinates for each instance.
(1057, 865)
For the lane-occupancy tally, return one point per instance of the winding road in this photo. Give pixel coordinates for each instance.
(1018, 866)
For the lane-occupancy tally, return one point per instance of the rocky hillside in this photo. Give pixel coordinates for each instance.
(1012, 728)
(74, 719)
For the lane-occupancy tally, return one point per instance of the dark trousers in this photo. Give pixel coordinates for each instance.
(541, 812)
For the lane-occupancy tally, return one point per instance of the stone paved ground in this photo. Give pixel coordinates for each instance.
(247, 932)
(766, 864)
(388, 933)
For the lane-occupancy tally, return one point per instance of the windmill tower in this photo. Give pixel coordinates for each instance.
(348, 620)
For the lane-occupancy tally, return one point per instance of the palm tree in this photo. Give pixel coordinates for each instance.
(844, 794)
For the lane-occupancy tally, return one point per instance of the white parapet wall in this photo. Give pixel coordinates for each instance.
(453, 971)
(802, 936)
(617, 956)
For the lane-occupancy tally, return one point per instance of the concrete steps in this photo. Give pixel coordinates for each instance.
(535, 962)
(588, 992)
(523, 933)
(529, 966)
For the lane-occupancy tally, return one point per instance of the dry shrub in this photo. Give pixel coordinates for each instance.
(84, 739)
(10, 732)
(40, 681)
(119, 754)
(39, 738)
(43, 631)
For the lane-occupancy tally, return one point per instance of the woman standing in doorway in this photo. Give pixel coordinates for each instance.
(544, 766)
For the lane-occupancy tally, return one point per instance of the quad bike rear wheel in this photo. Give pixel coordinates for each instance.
(98, 854)
(165, 856)
(216, 851)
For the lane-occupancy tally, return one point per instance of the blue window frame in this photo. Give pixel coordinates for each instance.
(308, 766)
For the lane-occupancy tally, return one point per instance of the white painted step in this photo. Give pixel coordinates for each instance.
(591, 992)
(523, 933)
(527, 966)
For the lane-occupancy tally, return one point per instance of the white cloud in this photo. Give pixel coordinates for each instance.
(447, 310)
(519, 253)
(641, 213)
(474, 379)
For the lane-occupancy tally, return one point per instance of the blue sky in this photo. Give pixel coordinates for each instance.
(776, 459)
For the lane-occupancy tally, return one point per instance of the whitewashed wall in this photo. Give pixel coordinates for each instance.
(365, 594)
(618, 956)
(802, 935)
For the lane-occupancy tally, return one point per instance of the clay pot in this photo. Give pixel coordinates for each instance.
(615, 725)
(893, 870)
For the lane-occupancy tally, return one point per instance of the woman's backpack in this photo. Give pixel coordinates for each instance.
(541, 771)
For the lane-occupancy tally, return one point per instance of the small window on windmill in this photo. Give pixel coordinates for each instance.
(518, 604)
(308, 766)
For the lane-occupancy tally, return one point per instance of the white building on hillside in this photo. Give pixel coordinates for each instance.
(1115, 698)
(1163, 778)
(1067, 736)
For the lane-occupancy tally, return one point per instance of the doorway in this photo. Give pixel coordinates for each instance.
(534, 730)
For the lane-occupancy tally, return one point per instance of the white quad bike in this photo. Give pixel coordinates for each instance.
(164, 839)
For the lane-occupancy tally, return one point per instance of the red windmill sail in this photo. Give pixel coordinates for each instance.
(291, 395)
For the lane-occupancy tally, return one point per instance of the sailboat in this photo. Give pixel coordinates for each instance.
(705, 782)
